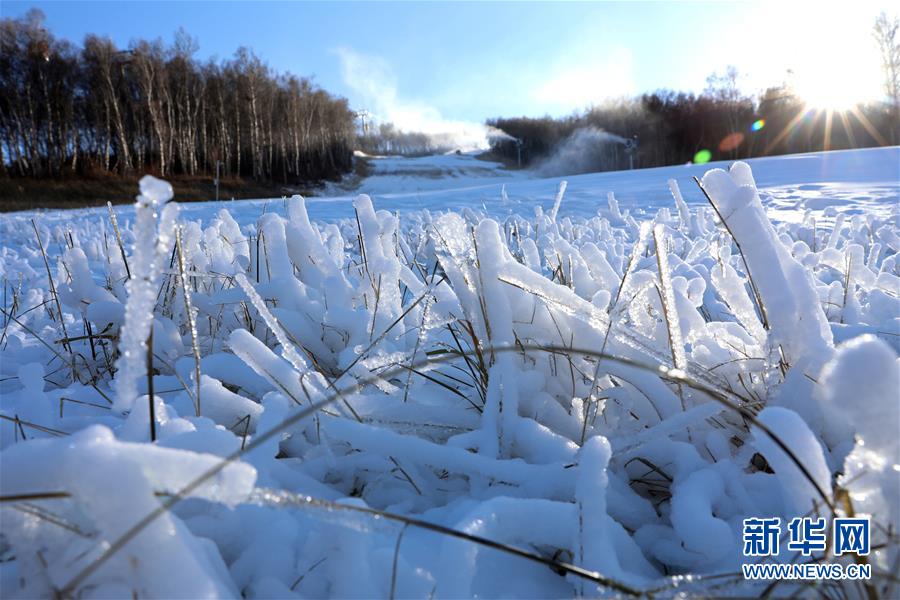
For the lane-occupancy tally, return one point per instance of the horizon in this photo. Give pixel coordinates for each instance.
(533, 63)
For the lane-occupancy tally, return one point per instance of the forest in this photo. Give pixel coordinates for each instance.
(74, 111)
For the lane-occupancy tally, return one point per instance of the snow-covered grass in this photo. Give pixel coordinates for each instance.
(446, 403)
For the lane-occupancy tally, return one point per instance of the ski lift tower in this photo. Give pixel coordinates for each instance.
(364, 116)
(631, 146)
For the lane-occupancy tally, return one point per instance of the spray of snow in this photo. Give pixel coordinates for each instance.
(586, 150)
(375, 84)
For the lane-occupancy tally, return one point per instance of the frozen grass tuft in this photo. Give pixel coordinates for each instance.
(443, 405)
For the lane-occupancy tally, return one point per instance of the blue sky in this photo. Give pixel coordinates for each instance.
(417, 62)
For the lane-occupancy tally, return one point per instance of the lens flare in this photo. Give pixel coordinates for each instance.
(757, 125)
(702, 157)
(731, 141)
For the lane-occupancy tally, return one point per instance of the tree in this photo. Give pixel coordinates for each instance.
(725, 90)
(887, 35)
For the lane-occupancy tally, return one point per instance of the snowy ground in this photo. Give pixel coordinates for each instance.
(605, 385)
(851, 182)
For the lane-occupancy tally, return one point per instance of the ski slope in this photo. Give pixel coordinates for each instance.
(826, 183)
(460, 382)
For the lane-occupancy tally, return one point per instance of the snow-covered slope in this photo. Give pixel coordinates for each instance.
(529, 389)
(397, 174)
(851, 182)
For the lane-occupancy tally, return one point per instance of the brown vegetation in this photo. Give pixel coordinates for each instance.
(26, 193)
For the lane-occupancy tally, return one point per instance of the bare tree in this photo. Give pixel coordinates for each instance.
(149, 66)
(106, 66)
(887, 35)
(726, 90)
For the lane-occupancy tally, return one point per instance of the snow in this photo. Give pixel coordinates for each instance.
(151, 243)
(801, 492)
(787, 297)
(857, 182)
(113, 484)
(608, 371)
(866, 370)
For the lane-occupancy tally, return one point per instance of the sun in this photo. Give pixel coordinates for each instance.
(829, 56)
(827, 94)
(838, 77)
(837, 80)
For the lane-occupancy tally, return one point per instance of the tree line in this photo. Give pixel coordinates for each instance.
(675, 128)
(151, 107)
(387, 138)
(722, 122)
